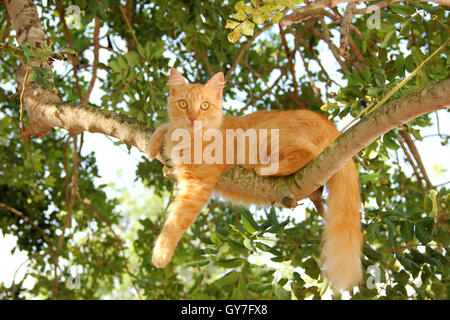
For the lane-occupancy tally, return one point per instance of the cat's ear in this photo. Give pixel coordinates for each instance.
(216, 84)
(176, 80)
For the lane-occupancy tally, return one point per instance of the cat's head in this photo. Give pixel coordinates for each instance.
(190, 102)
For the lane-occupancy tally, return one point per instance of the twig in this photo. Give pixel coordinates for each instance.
(311, 81)
(85, 99)
(345, 28)
(254, 99)
(290, 55)
(130, 28)
(202, 55)
(412, 147)
(22, 95)
(413, 165)
(327, 38)
(69, 40)
(29, 221)
(128, 10)
(70, 201)
(356, 51)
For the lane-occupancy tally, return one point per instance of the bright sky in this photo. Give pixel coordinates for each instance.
(433, 154)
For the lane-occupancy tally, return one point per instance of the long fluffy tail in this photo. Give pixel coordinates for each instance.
(342, 238)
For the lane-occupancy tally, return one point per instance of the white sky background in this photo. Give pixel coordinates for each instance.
(111, 159)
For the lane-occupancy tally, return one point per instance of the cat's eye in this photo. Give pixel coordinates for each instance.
(182, 104)
(205, 106)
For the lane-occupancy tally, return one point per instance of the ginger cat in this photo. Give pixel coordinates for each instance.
(303, 134)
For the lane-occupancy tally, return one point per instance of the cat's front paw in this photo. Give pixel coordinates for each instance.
(162, 254)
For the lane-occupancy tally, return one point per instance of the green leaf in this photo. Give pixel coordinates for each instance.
(401, 9)
(132, 58)
(400, 65)
(401, 277)
(229, 263)
(248, 244)
(229, 278)
(430, 203)
(407, 230)
(281, 293)
(391, 229)
(115, 66)
(298, 291)
(276, 229)
(380, 77)
(237, 247)
(222, 231)
(389, 39)
(409, 63)
(365, 178)
(265, 247)
(122, 62)
(422, 234)
(272, 216)
(262, 271)
(367, 74)
(248, 221)
(409, 265)
(417, 54)
(41, 76)
(389, 142)
(371, 254)
(423, 258)
(405, 28)
(198, 263)
(258, 287)
(436, 254)
(311, 268)
(197, 281)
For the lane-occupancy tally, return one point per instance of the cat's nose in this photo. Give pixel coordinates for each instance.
(192, 119)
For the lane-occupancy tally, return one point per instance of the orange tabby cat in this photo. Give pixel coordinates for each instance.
(302, 134)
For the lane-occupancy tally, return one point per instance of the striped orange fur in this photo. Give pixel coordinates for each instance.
(303, 134)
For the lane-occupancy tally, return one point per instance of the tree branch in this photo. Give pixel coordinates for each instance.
(86, 96)
(412, 147)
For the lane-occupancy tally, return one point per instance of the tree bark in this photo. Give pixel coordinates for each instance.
(46, 111)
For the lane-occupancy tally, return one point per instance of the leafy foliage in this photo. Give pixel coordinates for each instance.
(230, 252)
